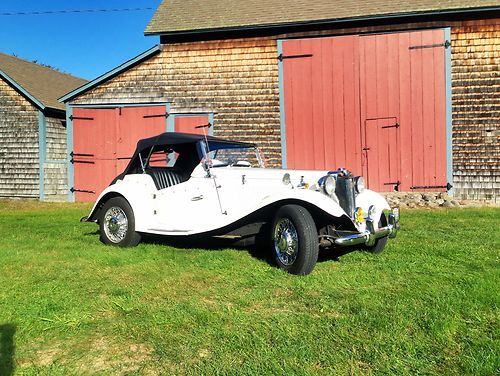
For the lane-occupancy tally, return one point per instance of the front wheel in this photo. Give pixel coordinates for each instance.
(295, 240)
(117, 224)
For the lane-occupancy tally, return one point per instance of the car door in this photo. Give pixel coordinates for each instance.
(192, 206)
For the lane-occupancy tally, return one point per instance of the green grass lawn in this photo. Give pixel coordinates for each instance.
(70, 305)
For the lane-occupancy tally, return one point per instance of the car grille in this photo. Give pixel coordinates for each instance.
(344, 189)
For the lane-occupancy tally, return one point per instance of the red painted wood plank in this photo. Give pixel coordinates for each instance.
(339, 126)
(317, 121)
(428, 101)
(416, 89)
(362, 106)
(393, 134)
(405, 119)
(351, 120)
(440, 110)
(327, 104)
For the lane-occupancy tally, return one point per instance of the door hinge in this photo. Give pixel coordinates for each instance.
(80, 118)
(209, 125)
(282, 57)
(73, 190)
(72, 160)
(165, 115)
(396, 185)
(448, 186)
(72, 154)
(446, 44)
(391, 126)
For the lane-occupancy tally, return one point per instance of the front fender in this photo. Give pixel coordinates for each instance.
(317, 199)
(369, 198)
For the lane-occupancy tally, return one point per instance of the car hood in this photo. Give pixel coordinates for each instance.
(296, 177)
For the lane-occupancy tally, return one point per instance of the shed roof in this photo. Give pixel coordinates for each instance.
(42, 85)
(183, 16)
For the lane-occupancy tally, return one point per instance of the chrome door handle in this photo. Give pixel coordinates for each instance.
(197, 198)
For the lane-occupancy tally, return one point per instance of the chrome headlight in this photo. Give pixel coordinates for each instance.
(329, 185)
(359, 184)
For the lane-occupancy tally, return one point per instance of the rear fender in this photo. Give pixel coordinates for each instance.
(141, 203)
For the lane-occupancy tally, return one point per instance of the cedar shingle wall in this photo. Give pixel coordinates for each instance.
(18, 145)
(56, 181)
(237, 79)
(476, 109)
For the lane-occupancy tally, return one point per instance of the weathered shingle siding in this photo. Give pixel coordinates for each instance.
(476, 109)
(56, 181)
(19, 163)
(236, 79)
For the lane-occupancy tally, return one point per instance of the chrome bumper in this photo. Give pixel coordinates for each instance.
(370, 235)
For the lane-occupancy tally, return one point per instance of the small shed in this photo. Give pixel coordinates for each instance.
(33, 154)
(404, 93)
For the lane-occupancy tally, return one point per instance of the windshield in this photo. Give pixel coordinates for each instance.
(236, 157)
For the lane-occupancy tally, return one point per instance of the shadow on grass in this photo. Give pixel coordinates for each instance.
(259, 247)
(7, 349)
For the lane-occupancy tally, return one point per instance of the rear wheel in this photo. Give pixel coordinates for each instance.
(294, 240)
(117, 224)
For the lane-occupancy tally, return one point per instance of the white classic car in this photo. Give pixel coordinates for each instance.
(182, 185)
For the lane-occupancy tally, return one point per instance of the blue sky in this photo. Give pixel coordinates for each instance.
(83, 44)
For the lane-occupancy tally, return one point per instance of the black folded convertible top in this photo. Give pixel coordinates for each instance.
(145, 146)
(176, 138)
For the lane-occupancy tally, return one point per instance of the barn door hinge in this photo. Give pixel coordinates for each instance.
(282, 57)
(448, 186)
(396, 185)
(209, 125)
(446, 44)
(80, 118)
(73, 190)
(72, 160)
(165, 115)
(391, 126)
(72, 154)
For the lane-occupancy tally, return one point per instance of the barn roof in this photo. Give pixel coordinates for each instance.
(191, 16)
(41, 85)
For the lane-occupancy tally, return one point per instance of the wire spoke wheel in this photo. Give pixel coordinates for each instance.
(286, 242)
(294, 239)
(115, 224)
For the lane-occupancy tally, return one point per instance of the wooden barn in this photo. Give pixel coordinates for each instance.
(33, 130)
(405, 93)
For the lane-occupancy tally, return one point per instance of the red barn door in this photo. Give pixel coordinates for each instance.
(374, 104)
(403, 110)
(103, 142)
(189, 124)
(322, 103)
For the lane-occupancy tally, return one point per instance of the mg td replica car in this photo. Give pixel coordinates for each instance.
(188, 185)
